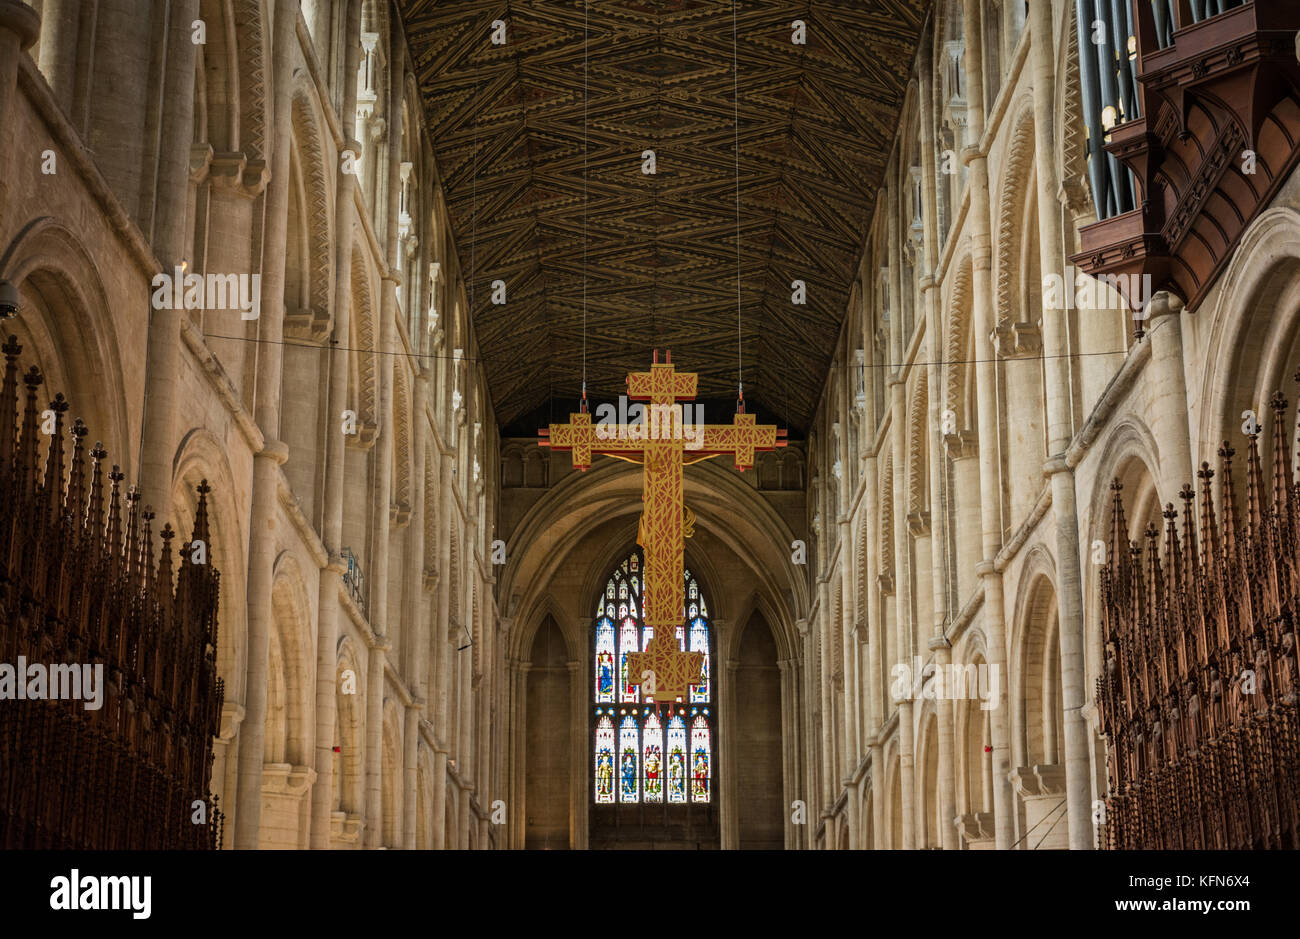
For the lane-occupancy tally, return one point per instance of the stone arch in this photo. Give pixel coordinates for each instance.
(432, 498)
(1016, 192)
(894, 820)
(548, 736)
(1130, 456)
(202, 456)
(973, 740)
(1253, 347)
(315, 203)
(960, 346)
(65, 326)
(1037, 728)
(885, 506)
(927, 779)
(363, 365)
(290, 667)
(349, 734)
(254, 53)
(217, 83)
(1038, 709)
(402, 461)
(608, 496)
(860, 567)
(1073, 139)
(918, 420)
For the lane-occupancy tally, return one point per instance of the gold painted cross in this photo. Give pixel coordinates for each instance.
(664, 446)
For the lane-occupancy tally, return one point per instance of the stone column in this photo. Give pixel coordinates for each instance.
(60, 37)
(1170, 416)
(263, 543)
(1060, 432)
(518, 770)
(947, 783)
(976, 159)
(444, 644)
(940, 500)
(879, 796)
(726, 794)
(332, 579)
(19, 27)
(788, 779)
(579, 833)
(170, 234)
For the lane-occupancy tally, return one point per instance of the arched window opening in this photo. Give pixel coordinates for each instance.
(655, 753)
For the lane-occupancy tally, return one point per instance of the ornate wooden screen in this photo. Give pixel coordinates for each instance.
(80, 586)
(1198, 695)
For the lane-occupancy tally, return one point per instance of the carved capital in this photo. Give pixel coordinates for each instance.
(1017, 340)
(962, 444)
(1031, 781)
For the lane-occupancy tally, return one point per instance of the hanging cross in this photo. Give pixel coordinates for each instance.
(660, 444)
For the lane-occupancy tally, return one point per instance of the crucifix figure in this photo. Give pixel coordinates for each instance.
(663, 445)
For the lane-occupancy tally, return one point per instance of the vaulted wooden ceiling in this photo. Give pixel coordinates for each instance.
(816, 122)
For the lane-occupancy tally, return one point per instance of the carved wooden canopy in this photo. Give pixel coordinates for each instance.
(816, 123)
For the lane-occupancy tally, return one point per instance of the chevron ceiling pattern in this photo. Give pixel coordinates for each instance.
(816, 123)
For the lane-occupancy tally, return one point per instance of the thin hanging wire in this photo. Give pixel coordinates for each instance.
(735, 111)
(585, 144)
(473, 205)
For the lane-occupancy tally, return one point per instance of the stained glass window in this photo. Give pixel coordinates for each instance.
(604, 788)
(700, 766)
(653, 747)
(648, 754)
(629, 762)
(677, 759)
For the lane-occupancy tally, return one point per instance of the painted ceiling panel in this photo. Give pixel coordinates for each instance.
(816, 122)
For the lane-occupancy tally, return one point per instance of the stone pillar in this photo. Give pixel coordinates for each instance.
(789, 781)
(976, 159)
(263, 541)
(439, 800)
(60, 38)
(947, 783)
(518, 769)
(444, 644)
(1170, 417)
(726, 708)
(579, 747)
(19, 27)
(879, 796)
(375, 685)
(170, 235)
(1060, 432)
(415, 599)
(963, 449)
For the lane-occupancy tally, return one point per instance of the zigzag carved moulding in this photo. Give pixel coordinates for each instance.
(816, 125)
